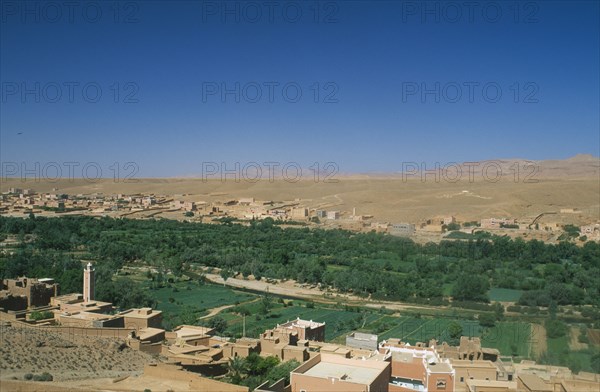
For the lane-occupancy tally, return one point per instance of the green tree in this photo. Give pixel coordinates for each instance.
(487, 320)
(455, 331)
(218, 323)
(237, 369)
(471, 287)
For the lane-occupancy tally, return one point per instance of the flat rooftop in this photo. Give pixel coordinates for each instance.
(301, 323)
(439, 367)
(472, 364)
(192, 330)
(142, 313)
(355, 374)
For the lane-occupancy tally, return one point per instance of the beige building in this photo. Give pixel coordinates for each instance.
(473, 370)
(23, 293)
(306, 330)
(299, 213)
(332, 373)
(533, 383)
(495, 223)
(491, 386)
(142, 318)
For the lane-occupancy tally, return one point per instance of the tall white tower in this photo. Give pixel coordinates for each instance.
(89, 283)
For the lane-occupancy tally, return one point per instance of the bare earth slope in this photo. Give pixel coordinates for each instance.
(28, 350)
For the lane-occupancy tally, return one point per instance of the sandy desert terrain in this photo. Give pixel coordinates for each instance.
(571, 183)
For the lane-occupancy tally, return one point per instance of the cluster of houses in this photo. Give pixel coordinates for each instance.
(363, 363)
(23, 201)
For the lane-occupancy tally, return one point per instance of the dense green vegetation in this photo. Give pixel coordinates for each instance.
(462, 274)
(373, 264)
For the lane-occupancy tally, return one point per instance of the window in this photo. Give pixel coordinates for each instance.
(510, 377)
(462, 379)
(440, 383)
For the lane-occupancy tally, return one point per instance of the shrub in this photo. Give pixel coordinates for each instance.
(43, 377)
(555, 328)
(487, 320)
(28, 376)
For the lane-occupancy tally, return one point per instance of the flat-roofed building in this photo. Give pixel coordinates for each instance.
(23, 292)
(333, 215)
(491, 386)
(142, 318)
(307, 330)
(417, 368)
(533, 383)
(473, 370)
(361, 340)
(402, 229)
(333, 373)
(73, 303)
(299, 213)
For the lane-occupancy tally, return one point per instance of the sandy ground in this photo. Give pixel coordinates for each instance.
(539, 344)
(27, 350)
(386, 198)
(133, 383)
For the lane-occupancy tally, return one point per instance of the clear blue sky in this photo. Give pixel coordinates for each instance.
(371, 53)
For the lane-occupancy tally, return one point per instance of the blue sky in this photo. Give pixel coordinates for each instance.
(368, 61)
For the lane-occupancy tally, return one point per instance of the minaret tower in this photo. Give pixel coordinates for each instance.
(89, 283)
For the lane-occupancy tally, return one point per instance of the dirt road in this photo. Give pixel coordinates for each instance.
(291, 289)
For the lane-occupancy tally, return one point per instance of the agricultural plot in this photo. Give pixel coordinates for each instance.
(510, 338)
(505, 295)
(338, 322)
(174, 300)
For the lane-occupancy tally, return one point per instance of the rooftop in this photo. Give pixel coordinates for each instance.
(491, 383)
(147, 333)
(346, 372)
(473, 364)
(143, 313)
(439, 367)
(535, 383)
(184, 331)
(301, 323)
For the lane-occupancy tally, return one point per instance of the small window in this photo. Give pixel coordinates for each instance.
(462, 379)
(440, 383)
(487, 379)
(510, 377)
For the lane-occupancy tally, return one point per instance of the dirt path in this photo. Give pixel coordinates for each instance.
(574, 343)
(215, 311)
(291, 289)
(539, 343)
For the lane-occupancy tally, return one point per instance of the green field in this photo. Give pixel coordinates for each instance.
(504, 295)
(338, 322)
(200, 297)
(508, 337)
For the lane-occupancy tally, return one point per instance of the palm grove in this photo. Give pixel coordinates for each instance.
(367, 264)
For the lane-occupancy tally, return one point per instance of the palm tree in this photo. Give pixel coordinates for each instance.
(236, 367)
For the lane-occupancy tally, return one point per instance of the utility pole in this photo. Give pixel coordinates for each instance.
(244, 326)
